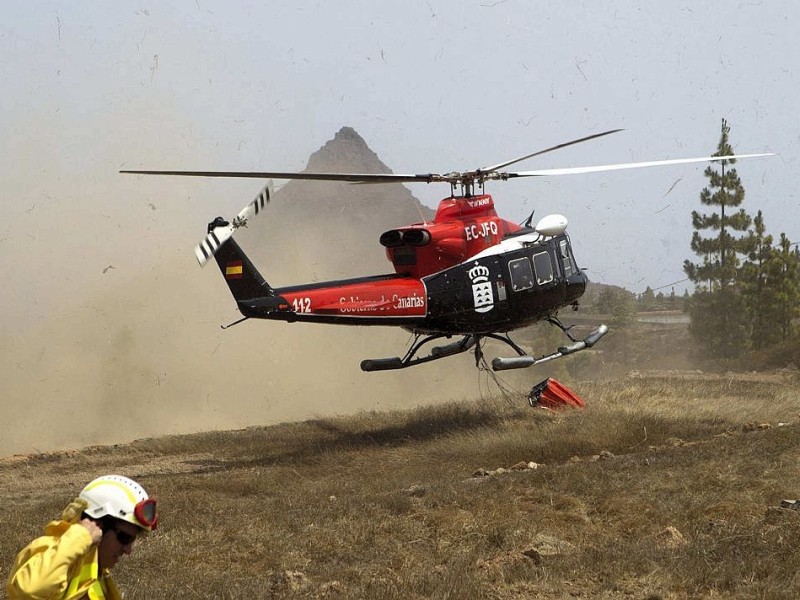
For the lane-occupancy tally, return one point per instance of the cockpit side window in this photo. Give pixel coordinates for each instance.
(566, 258)
(521, 274)
(543, 267)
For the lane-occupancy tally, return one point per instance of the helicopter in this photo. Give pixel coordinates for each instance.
(468, 274)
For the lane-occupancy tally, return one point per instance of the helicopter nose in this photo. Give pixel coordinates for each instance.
(576, 285)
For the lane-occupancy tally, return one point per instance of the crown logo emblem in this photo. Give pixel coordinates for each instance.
(482, 292)
(478, 273)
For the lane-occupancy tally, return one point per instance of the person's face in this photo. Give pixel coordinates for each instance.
(116, 541)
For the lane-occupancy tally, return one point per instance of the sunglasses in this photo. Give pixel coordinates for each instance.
(123, 537)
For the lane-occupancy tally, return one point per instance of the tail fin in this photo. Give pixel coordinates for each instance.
(253, 295)
(243, 279)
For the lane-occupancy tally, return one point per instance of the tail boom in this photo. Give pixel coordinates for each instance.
(377, 300)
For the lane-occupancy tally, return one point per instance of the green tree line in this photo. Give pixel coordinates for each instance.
(747, 284)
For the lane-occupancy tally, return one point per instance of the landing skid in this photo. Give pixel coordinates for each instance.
(389, 364)
(473, 341)
(523, 361)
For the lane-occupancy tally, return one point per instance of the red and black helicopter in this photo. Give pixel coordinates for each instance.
(468, 274)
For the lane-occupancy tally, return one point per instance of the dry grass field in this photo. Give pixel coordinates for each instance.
(667, 486)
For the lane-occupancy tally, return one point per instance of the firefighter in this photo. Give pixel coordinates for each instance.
(74, 557)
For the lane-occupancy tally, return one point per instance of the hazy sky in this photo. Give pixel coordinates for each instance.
(105, 312)
(431, 86)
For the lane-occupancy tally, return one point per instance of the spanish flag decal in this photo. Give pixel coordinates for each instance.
(233, 270)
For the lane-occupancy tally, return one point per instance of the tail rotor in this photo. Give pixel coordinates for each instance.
(220, 230)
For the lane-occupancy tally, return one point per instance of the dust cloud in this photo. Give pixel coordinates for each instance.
(111, 332)
(147, 358)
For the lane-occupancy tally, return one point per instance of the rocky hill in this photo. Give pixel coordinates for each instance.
(331, 229)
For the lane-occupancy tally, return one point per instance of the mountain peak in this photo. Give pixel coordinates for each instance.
(347, 152)
(340, 222)
(350, 134)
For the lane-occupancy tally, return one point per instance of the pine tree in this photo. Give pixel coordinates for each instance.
(783, 282)
(720, 253)
(717, 310)
(718, 321)
(757, 295)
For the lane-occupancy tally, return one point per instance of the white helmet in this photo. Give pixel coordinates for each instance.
(122, 498)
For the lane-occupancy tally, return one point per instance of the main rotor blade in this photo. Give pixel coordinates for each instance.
(352, 177)
(619, 167)
(559, 146)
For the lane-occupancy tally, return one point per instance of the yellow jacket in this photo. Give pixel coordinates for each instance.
(60, 565)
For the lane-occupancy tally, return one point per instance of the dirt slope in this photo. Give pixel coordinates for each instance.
(663, 488)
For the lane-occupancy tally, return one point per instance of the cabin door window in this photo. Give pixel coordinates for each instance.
(521, 274)
(543, 267)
